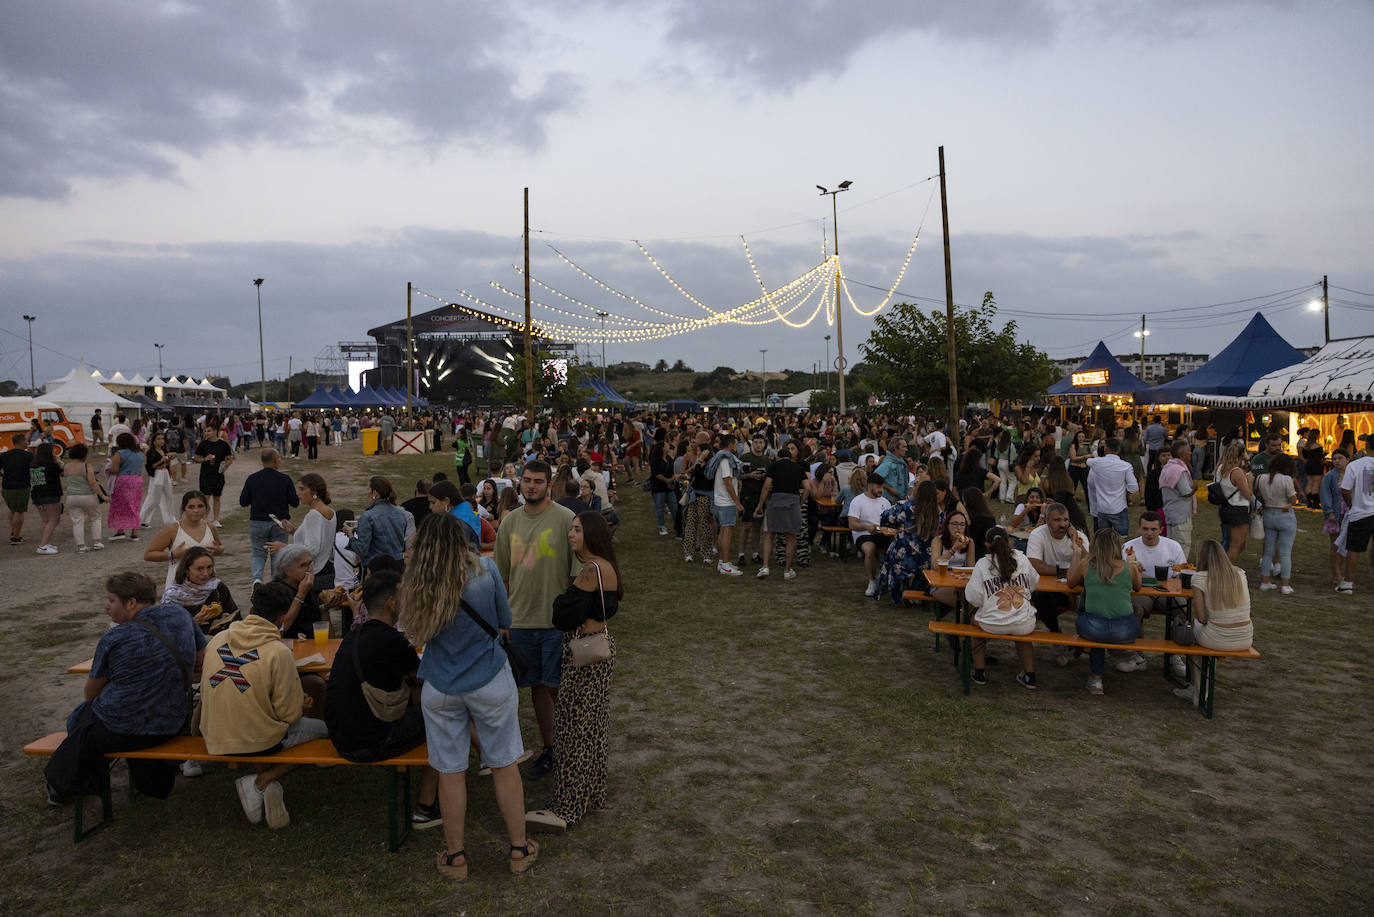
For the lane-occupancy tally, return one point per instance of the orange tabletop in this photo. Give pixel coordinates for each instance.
(303, 648)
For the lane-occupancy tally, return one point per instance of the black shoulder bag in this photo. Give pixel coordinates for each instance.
(518, 664)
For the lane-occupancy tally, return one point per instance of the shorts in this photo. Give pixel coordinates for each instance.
(492, 708)
(305, 729)
(1357, 534)
(783, 515)
(725, 515)
(1232, 515)
(750, 502)
(17, 500)
(881, 541)
(542, 648)
(212, 486)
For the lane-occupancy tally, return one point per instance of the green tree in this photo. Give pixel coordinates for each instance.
(907, 358)
(681, 367)
(562, 397)
(662, 366)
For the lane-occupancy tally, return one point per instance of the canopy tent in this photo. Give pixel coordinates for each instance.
(368, 397)
(341, 399)
(81, 395)
(683, 405)
(604, 394)
(1339, 378)
(1100, 374)
(1256, 351)
(319, 398)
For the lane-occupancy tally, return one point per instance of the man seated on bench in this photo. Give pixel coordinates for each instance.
(865, 515)
(1050, 548)
(373, 702)
(136, 695)
(1147, 552)
(252, 700)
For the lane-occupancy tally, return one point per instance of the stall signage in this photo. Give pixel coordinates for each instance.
(1092, 377)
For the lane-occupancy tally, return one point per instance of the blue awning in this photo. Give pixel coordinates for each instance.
(1120, 380)
(1257, 351)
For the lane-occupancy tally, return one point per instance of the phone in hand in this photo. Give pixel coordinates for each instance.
(274, 518)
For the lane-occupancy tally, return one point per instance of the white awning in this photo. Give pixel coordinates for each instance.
(1339, 378)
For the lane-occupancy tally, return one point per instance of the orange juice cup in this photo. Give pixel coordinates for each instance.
(321, 633)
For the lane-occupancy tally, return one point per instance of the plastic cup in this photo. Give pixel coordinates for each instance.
(1061, 572)
(321, 633)
(1162, 572)
(1186, 579)
(942, 566)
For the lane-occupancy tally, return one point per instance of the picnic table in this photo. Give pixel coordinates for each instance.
(303, 648)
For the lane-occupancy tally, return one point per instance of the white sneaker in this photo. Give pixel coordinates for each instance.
(763, 573)
(1177, 666)
(250, 797)
(872, 589)
(662, 530)
(790, 574)
(1186, 694)
(1285, 590)
(1346, 588)
(97, 547)
(688, 559)
(1131, 665)
(46, 549)
(274, 803)
(192, 769)
(1265, 587)
(728, 569)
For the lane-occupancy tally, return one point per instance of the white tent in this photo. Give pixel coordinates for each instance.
(80, 396)
(1340, 377)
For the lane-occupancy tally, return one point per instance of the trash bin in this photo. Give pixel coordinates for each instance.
(370, 436)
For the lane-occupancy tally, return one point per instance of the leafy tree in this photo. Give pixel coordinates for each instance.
(662, 366)
(907, 360)
(681, 367)
(8, 387)
(562, 397)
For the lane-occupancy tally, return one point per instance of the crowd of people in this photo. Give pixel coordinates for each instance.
(508, 580)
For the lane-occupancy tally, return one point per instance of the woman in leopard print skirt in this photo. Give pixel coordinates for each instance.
(581, 719)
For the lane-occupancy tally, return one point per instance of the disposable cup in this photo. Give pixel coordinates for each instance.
(321, 633)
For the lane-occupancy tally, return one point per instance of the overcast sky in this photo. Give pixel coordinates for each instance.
(1104, 159)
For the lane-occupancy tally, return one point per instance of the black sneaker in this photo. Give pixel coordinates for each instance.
(739, 561)
(426, 816)
(1027, 680)
(758, 559)
(979, 678)
(542, 765)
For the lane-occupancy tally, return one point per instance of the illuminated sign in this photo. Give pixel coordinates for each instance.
(1092, 377)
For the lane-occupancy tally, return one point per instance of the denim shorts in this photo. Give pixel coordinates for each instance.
(542, 648)
(725, 515)
(492, 708)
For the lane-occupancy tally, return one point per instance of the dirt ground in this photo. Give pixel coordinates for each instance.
(777, 748)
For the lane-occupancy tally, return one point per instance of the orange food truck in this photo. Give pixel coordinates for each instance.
(17, 416)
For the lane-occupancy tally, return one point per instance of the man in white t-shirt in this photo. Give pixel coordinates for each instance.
(116, 428)
(865, 513)
(1357, 487)
(1052, 547)
(1149, 551)
(725, 502)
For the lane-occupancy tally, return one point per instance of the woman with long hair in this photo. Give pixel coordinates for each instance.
(1313, 459)
(1056, 477)
(582, 715)
(1278, 494)
(45, 490)
(125, 473)
(1221, 608)
(1000, 590)
(980, 517)
(508, 502)
(1079, 453)
(952, 546)
(159, 493)
(698, 523)
(660, 479)
(1237, 485)
(1003, 454)
(383, 528)
(1027, 515)
(191, 530)
(1027, 470)
(196, 588)
(83, 498)
(916, 519)
(446, 589)
(1107, 615)
(316, 530)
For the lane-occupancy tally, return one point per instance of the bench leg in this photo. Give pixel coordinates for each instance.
(397, 823)
(1208, 686)
(79, 833)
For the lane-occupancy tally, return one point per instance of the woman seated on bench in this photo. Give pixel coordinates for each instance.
(1107, 615)
(1221, 607)
(1000, 589)
(952, 546)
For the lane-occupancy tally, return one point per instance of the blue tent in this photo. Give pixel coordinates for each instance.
(369, 397)
(319, 398)
(343, 399)
(1120, 380)
(1256, 351)
(685, 405)
(604, 394)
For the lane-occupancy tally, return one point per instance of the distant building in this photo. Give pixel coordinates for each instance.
(1159, 367)
(631, 367)
(460, 354)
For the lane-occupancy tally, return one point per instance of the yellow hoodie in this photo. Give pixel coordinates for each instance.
(249, 690)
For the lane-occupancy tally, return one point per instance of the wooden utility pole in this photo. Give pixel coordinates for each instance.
(529, 329)
(410, 355)
(949, 306)
(1326, 311)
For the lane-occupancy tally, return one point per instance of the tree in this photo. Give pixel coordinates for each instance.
(681, 367)
(8, 387)
(563, 395)
(907, 358)
(662, 366)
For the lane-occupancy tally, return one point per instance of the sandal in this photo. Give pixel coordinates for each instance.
(448, 870)
(529, 853)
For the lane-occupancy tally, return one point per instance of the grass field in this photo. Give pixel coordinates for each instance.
(777, 748)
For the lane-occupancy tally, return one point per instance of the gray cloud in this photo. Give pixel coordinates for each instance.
(89, 88)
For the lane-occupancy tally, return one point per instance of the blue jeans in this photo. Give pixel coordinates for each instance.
(1119, 521)
(259, 533)
(661, 506)
(1280, 527)
(1123, 629)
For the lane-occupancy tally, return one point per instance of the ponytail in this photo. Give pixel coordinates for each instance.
(999, 547)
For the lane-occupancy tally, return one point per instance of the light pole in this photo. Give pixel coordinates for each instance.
(764, 377)
(1143, 333)
(602, 316)
(827, 364)
(262, 363)
(1323, 306)
(33, 386)
(159, 358)
(839, 325)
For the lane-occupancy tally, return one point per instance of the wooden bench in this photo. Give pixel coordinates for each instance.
(1206, 658)
(839, 534)
(317, 751)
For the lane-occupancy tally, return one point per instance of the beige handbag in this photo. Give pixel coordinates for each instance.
(589, 649)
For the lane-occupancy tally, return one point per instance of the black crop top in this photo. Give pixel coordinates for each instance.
(577, 605)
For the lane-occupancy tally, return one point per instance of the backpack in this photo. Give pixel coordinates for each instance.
(173, 438)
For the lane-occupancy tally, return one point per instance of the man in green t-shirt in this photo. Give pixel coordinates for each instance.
(538, 564)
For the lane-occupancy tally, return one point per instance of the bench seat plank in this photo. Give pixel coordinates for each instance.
(192, 748)
(1043, 636)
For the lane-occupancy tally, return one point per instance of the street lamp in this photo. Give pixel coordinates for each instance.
(159, 358)
(827, 364)
(602, 316)
(1323, 305)
(262, 363)
(763, 375)
(33, 386)
(839, 325)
